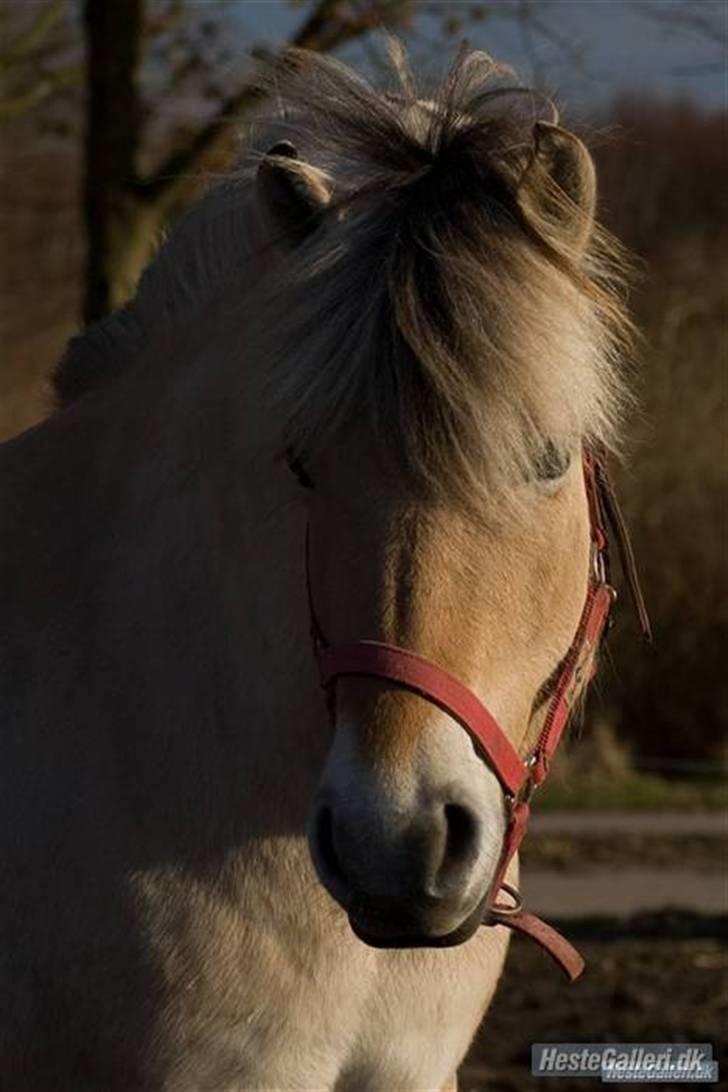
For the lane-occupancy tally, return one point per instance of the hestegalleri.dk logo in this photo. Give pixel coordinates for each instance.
(641, 1063)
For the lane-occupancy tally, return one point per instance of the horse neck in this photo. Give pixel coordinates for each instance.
(195, 572)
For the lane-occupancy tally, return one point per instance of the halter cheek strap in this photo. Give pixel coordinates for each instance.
(518, 777)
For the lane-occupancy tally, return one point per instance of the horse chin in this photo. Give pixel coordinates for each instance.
(378, 934)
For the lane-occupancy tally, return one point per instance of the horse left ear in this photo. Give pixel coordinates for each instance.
(293, 192)
(561, 182)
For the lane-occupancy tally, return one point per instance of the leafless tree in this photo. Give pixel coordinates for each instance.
(704, 21)
(135, 57)
(125, 208)
(707, 19)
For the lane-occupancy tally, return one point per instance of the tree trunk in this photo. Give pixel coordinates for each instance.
(123, 212)
(112, 216)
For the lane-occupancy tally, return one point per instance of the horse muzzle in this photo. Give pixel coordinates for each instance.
(421, 883)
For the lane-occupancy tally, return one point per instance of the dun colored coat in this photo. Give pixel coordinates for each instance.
(405, 302)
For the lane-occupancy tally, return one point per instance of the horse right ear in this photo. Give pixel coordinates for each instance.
(294, 193)
(560, 184)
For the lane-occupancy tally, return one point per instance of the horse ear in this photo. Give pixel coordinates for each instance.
(293, 192)
(561, 183)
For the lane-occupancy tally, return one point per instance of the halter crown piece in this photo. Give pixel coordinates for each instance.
(518, 776)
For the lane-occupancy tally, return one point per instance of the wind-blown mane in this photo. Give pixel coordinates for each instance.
(437, 300)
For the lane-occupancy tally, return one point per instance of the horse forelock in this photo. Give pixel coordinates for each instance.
(436, 303)
(431, 302)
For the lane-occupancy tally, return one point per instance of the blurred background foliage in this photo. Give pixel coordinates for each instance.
(114, 113)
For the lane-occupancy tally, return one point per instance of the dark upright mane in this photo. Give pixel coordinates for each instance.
(454, 295)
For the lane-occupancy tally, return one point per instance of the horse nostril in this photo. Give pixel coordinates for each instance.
(462, 834)
(460, 851)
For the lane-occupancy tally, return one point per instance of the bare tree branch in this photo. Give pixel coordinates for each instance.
(28, 41)
(330, 25)
(707, 20)
(531, 19)
(41, 90)
(35, 61)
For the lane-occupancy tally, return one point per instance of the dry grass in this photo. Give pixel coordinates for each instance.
(665, 183)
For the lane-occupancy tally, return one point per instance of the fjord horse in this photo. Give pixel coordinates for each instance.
(392, 332)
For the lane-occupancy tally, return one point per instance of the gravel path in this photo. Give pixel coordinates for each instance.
(632, 822)
(577, 864)
(623, 891)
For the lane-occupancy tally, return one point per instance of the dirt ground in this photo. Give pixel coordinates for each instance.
(659, 977)
(561, 851)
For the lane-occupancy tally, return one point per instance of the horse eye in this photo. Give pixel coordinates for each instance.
(296, 467)
(551, 464)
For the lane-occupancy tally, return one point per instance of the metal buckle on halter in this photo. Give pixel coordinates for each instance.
(527, 789)
(600, 574)
(599, 564)
(499, 910)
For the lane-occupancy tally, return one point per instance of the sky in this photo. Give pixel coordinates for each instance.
(622, 48)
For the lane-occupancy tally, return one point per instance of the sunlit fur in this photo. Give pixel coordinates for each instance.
(451, 315)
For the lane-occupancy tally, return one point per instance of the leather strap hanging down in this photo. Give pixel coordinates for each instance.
(627, 560)
(518, 777)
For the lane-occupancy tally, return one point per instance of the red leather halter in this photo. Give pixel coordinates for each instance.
(518, 776)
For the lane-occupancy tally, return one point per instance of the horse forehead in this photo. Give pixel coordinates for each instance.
(407, 535)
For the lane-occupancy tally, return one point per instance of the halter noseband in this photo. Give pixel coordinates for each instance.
(518, 777)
